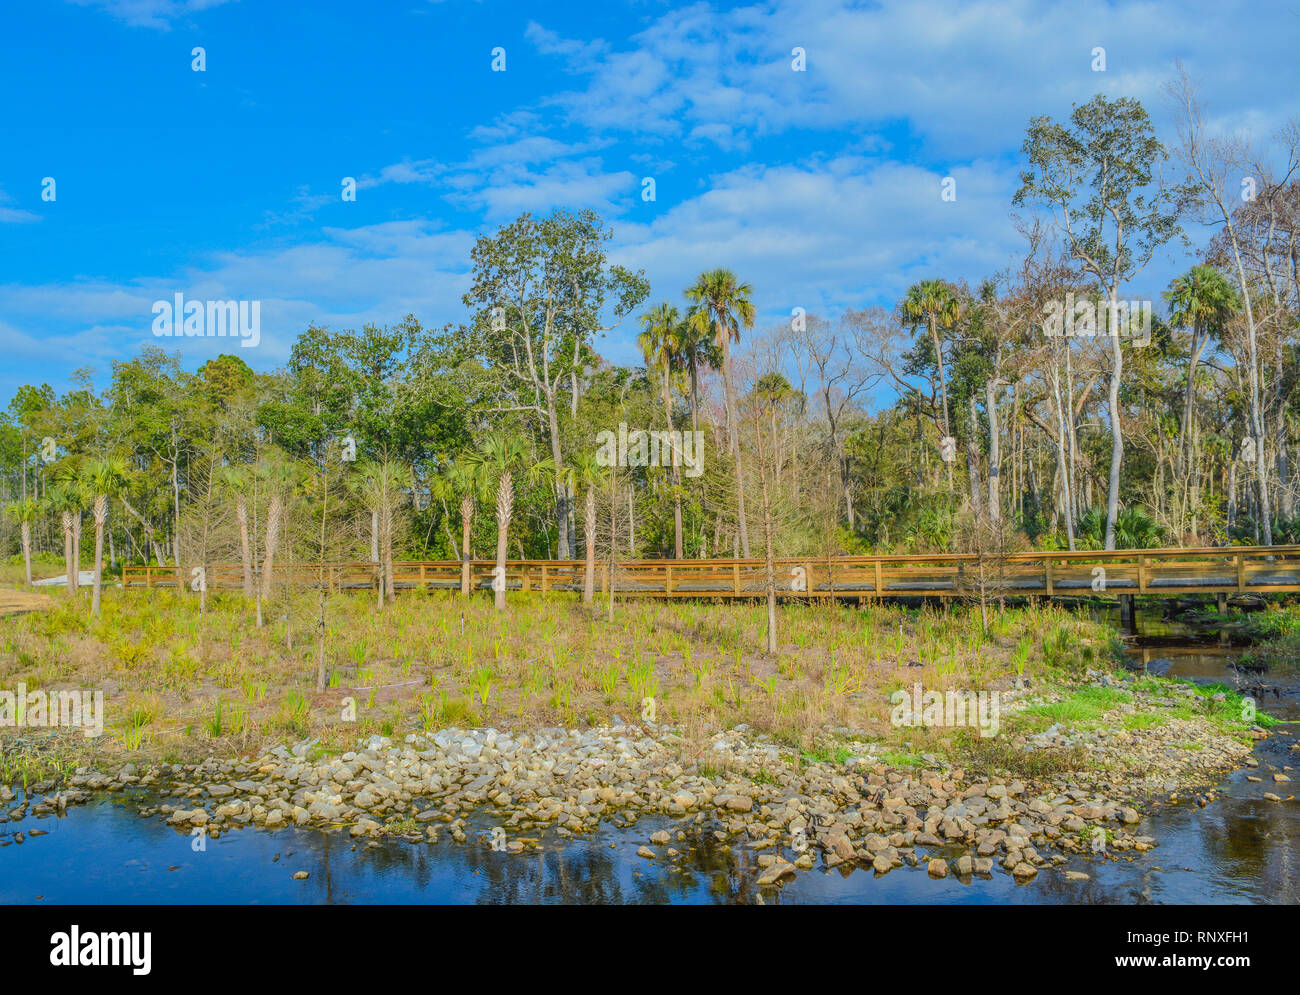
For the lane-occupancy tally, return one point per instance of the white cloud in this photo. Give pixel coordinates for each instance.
(156, 14)
(14, 215)
(966, 77)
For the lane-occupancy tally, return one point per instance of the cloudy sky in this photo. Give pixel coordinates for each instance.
(821, 187)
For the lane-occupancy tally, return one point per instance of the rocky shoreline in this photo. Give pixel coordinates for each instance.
(795, 811)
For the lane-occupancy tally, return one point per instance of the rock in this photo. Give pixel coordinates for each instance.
(1077, 876)
(841, 847)
(300, 875)
(646, 852)
(1128, 816)
(965, 865)
(1281, 778)
(774, 873)
(1024, 871)
(938, 867)
(882, 864)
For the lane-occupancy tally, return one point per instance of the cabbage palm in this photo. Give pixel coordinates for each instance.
(660, 344)
(380, 486)
(933, 304)
(237, 479)
(25, 512)
(1201, 300)
(461, 482)
(104, 479)
(697, 349)
(68, 497)
(587, 474)
(499, 458)
(723, 305)
(279, 479)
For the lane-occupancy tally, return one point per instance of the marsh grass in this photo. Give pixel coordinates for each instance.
(545, 662)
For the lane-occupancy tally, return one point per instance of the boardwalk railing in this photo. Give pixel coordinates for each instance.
(1094, 573)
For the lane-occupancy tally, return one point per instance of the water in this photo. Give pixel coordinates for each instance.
(1239, 849)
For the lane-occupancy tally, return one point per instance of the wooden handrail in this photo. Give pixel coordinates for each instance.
(1216, 569)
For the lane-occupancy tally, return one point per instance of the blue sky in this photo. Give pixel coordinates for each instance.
(821, 188)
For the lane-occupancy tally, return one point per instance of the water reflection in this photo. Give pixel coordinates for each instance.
(1240, 848)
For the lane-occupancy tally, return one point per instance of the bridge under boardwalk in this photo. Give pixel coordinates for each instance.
(1221, 571)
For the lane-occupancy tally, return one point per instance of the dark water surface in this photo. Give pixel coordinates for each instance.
(1240, 848)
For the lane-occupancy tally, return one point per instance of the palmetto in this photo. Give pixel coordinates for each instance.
(1135, 528)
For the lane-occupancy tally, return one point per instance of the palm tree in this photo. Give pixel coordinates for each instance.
(1201, 300)
(462, 480)
(499, 457)
(459, 483)
(723, 305)
(380, 486)
(279, 479)
(933, 304)
(660, 343)
(587, 474)
(104, 478)
(237, 479)
(67, 496)
(25, 512)
(697, 349)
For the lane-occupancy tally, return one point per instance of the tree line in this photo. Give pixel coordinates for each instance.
(1031, 409)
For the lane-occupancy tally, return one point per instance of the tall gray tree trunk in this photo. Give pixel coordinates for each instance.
(1116, 429)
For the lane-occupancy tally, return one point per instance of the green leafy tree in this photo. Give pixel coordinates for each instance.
(541, 289)
(1099, 179)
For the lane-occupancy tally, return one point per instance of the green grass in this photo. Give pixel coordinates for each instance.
(1144, 720)
(896, 759)
(838, 755)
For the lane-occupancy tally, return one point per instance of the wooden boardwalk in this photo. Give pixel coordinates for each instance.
(1090, 573)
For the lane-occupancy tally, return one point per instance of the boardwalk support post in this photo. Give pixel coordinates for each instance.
(1128, 613)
